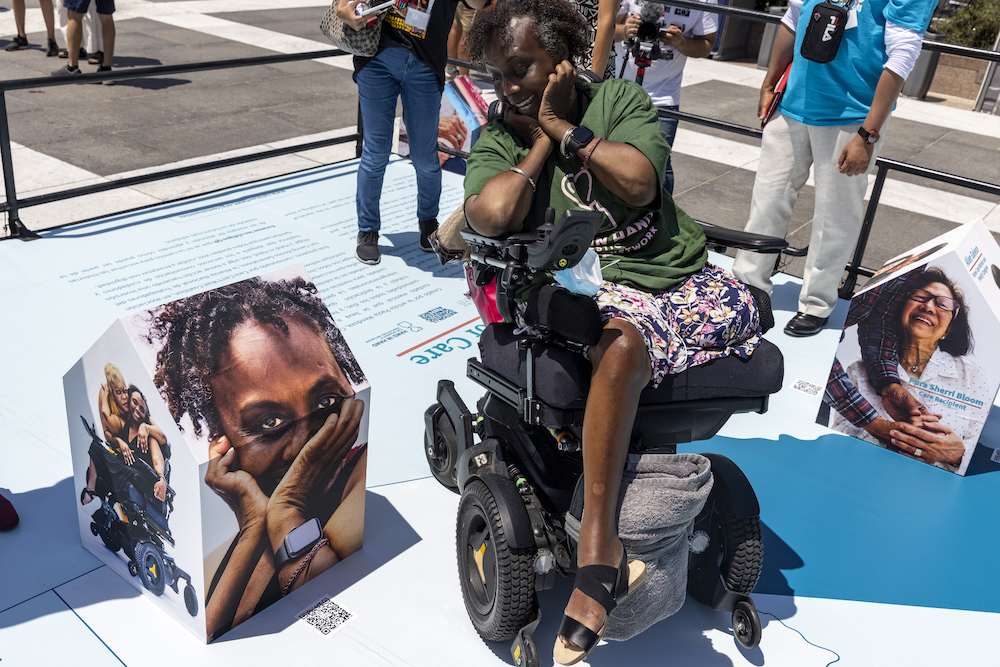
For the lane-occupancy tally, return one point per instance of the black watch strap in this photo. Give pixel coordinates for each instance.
(870, 136)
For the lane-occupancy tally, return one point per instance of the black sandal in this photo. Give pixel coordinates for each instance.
(609, 587)
(96, 58)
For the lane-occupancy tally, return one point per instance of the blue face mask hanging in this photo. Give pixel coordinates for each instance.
(824, 31)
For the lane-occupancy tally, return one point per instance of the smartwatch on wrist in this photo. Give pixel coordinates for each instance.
(577, 138)
(298, 541)
(870, 137)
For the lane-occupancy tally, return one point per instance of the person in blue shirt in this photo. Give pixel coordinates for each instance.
(831, 118)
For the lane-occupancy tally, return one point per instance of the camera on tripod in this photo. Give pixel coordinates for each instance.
(645, 46)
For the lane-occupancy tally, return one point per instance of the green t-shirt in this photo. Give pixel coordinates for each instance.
(652, 249)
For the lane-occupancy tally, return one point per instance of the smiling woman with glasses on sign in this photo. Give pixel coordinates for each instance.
(933, 338)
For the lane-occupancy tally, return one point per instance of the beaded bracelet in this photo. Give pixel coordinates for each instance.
(586, 159)
(530, 180)
(305, 561)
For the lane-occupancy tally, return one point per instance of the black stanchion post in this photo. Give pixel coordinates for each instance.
(847, 289)
(14, 227)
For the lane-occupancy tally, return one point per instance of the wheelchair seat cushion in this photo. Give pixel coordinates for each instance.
(562, 377)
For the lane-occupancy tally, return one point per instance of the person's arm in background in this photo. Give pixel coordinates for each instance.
(844, 397)
(160, 467)
(604, 36)
(902, 47)
(702, 39)
(626, 26)
(696, 46)
(781, 56)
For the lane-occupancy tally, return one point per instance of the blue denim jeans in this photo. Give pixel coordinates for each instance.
(669, 126)
(392, 73)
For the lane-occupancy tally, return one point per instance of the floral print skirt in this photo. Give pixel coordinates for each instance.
(708, 316)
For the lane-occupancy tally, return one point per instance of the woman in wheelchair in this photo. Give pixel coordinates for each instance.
(570, 144)
(129, 442)
(114, 402)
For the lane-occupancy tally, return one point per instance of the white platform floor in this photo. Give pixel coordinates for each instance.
(870, 558)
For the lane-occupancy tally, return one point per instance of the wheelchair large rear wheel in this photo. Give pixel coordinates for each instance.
(149, 562)
(497, 581)
(441, 450)
(733, 551)
(743, 554)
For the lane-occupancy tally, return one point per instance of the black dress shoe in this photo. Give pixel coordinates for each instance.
(805, 325)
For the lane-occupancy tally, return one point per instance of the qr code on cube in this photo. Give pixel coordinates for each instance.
(437, 314)
(807, 387)
(326, 616)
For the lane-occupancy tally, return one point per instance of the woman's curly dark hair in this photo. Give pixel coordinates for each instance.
(195, 331)
(555, 21)
(958, 341)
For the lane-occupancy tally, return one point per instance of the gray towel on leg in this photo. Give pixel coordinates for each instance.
(660, 496)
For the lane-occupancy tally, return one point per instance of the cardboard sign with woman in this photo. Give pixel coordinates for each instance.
(914, 370)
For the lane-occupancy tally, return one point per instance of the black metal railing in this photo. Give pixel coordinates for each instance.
(13, 204)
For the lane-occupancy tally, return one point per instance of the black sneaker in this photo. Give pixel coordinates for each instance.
(367, 251)
(53, 49)
(105, 68)
(426, 227)
(67, 71)
(17, 44)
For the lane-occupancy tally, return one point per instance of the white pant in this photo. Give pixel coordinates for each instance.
(92, 39)
(788, 149)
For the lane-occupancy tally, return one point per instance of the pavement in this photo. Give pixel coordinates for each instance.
(71, 136)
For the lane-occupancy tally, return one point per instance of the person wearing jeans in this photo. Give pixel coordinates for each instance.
(409, 63)
(393, 73)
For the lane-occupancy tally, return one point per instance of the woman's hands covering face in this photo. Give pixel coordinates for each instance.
(525, 127)
(304, 491)
(236, 487)
(557, 96)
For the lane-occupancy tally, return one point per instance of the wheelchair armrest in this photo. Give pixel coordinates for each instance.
(740, 240)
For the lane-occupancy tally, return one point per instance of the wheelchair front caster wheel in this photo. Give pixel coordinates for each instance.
(746, 624)
(93, 528)
(190, 600)
(526, 652)
(441, 450)
(132, 569)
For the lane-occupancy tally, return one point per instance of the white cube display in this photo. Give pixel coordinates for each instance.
(219, 447)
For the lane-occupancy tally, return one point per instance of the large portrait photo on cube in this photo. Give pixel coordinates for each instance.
(915, 370)
(255, 381)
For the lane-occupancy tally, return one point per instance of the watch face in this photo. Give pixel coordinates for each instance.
(582, 135)
(303, 537)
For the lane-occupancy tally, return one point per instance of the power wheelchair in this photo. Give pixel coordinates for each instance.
(517, 461)
(133, 520)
